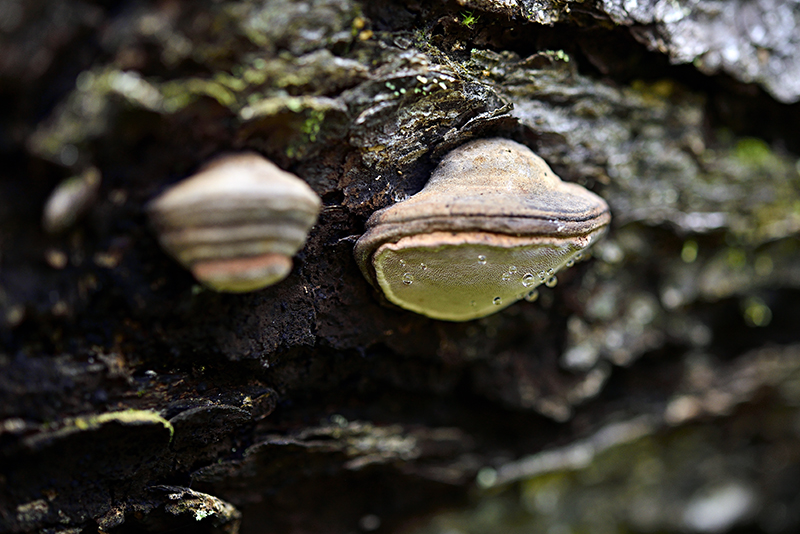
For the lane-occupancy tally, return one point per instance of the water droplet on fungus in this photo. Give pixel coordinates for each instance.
(532, 295)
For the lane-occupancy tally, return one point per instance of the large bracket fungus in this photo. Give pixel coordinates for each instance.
(237, 223)
(492, 224)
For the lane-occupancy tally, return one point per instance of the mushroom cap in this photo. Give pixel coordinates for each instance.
(490, 198)
(70, 200)
(237, 222)
(232, 189)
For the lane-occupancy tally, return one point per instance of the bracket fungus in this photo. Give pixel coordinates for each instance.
(70, 200)
(236, 223)
(492, 223)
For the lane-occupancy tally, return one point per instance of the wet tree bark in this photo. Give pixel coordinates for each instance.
(655, 388)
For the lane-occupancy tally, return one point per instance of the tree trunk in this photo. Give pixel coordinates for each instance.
(655, 388)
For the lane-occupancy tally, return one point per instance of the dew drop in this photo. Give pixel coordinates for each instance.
(570, 262)
(579, 256)
(527, 280)
(551, 272)
(402, 263)
(532, 295)
(408, 278)
(542, 276)
(551, 282)
(423, 266)
(506, 277)
(512, 269)
(497, 301)
(482, 259)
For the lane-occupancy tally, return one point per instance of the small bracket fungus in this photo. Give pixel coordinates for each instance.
(237, 223)
(492, 224)
(70, 200)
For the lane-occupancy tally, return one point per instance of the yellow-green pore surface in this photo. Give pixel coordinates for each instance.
(459, 277)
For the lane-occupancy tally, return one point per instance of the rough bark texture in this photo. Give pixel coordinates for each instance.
(654, 389)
